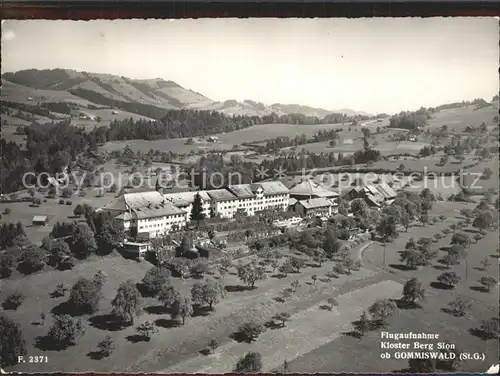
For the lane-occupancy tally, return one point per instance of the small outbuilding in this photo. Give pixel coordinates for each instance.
(40, 220)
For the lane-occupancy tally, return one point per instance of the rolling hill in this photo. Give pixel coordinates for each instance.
(91, 91)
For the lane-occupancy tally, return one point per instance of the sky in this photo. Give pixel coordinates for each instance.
(372, 64)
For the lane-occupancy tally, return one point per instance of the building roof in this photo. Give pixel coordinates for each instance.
(164, 209)
(377, 201)
(390, 193)
(272, 187)
(142, 205)
(241, 190)
(177, 201)
(308, 187)
(129, 201)
(187, 197)
(292, 201)
(221, 195)
(39, 218)
(315, 203)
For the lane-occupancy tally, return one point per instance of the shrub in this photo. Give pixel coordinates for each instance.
(106, 346)
(13, 301)
(69, 202)
(251, 362)
(61, 202)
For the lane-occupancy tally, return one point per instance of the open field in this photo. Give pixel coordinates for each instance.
(257, 133)
(339, 354)
(171, 345)
(24, 212)
(457, 119)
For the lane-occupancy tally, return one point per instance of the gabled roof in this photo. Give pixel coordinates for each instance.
(241, 190)
(39, 218)
(375, 200)
(315, 203)
(292, 201)
(391, 193)
(270, 187)
(309, 187)
(164, 209)
(188, 196)
(221, 195)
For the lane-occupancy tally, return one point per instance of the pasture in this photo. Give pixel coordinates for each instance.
(175, 346)
(430, 317)
(457, 119)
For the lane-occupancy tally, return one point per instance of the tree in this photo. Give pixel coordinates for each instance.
(359, 208)
(7, 261)
(382, 309)
(314, 277)
(78, 210)
(65, 330)
(83, 241)
(485, 263)
(168, 295)
(13, 301)
(286, 267)
(331, 245)
(85, 296)
(127, 302)
(413, 258)
(213, 344)
(320, 256)
(155, 279)
(413, 290)
(251, 330)
(297, 263)
(106, 346)
(182, 307)
(363, 324)
(348, 264)
(197, 213)
(483, 220)
(449, 279)
(283, 317)
(209, 292)
(461, 238)
(451, 259)
(332, 302)
(478, 237)
(198, 269)
(251, 362)
(491, 328)
(251, 273)
(12, 343)
(31, 260)
(459, 306)
(488, 282)
(295, 285)
(147, 330)
(387, 228)
(486, 173)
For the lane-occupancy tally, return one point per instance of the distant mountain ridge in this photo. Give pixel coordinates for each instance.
(64, 85)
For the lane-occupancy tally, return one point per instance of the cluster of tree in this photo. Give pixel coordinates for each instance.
(410, 120)
(29, 108)
(50, 148)
(305, 160)
(12, 235)
(285, 141)
(213, 172)
(418, 253)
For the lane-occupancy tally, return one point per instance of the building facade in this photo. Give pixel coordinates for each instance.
(146, 213)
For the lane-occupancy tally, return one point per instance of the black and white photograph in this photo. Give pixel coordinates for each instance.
(218, 195)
